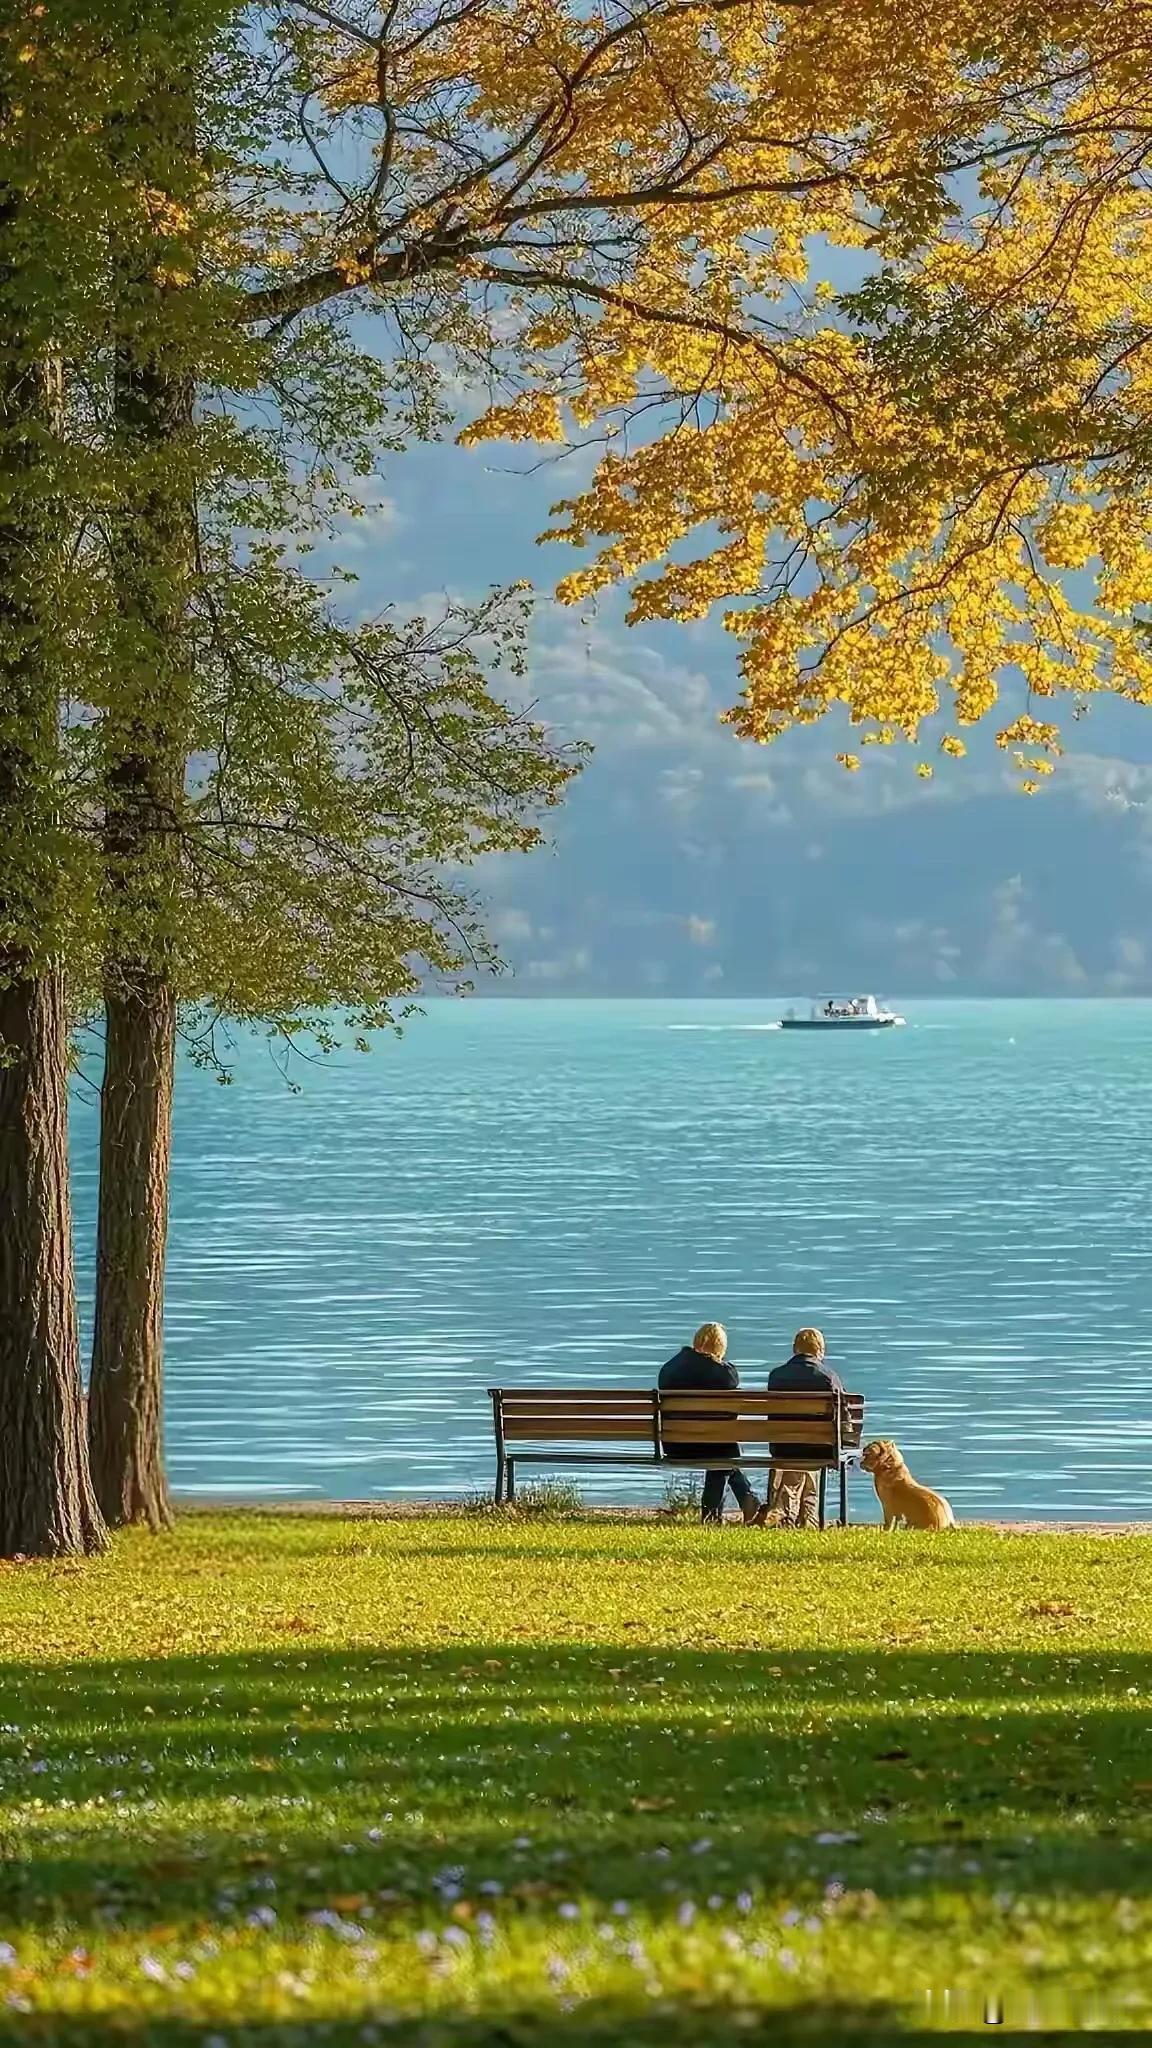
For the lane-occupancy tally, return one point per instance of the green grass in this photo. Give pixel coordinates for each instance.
(486, 1782)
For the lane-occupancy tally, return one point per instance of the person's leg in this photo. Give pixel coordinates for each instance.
(712, 1498)
(785, 1496)
(807, 1511)
(745, 1495)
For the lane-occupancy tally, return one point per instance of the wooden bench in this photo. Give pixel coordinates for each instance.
(578, 1426)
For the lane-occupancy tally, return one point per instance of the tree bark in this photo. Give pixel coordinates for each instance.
(144, 746)
(47, 1507)
(126, 1411)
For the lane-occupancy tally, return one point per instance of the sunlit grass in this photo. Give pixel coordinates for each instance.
(490, 1782)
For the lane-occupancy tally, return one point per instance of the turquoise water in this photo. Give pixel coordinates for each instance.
(558, 1192)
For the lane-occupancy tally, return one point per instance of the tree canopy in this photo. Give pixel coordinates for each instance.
(628, 214)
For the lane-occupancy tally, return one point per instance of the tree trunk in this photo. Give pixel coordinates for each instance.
(47, 1507)
(145, 755)
(125, 1417)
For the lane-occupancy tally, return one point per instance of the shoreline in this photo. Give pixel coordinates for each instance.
(403, 1510)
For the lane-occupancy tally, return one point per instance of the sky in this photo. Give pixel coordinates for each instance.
(687, 862)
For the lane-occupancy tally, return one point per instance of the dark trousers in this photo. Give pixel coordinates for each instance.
(712, 1498)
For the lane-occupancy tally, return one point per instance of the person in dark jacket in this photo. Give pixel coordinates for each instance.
(703, 1364)
(792, 1495)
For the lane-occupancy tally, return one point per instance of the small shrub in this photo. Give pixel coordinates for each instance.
(539, 1500)
(548, 1500)
(476, 1503)
(681, 1498)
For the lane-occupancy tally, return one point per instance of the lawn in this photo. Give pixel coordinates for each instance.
(482, 1782)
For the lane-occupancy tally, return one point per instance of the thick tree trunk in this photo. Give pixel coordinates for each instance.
(154, 555)
(125, 1416)
(47, 1507)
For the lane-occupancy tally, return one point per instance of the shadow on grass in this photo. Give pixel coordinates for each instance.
(162, 1789)
(593, 2023)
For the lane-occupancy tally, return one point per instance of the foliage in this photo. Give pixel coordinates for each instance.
(55, 88)
(582, 1782)
(607, 212)
(350, 774)
(538, 1500)
(548, 1500)
(624, 216)
(614, 221)
(682, 1498)
(344, 769)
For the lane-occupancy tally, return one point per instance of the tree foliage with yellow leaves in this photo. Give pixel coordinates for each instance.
(629, 212)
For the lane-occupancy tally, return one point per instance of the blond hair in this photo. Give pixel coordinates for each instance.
(712, 1340)
(808, 1344)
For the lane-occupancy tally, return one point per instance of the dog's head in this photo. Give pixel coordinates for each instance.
(881, 1455)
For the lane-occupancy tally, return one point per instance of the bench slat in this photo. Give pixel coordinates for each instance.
(745, 1432)
(577, 1395)
(546, 1408)
(590, 1458)
(580, 1426)
(754, 1400)
(755, 1460)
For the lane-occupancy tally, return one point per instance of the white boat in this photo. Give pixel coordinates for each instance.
(843, 1013)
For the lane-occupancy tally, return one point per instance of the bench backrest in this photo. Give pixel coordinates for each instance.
(752, 1418)
(676, 1420)
(580, 1414)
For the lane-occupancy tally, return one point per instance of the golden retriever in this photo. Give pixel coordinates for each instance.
(898, 1493)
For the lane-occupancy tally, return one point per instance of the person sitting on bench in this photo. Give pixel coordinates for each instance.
(791, 1500)
(703, 1364)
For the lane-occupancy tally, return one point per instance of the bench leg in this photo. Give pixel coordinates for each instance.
(823, 1491)
(510, 1482)
(498, 1496)
(843, 1495)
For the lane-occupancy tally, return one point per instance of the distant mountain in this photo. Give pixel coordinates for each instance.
(687, 863)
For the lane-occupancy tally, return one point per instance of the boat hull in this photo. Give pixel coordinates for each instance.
(839, 1023)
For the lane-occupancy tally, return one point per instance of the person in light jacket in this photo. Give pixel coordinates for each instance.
(792, 1496)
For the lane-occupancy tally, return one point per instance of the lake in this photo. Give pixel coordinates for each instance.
(558, 1192)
